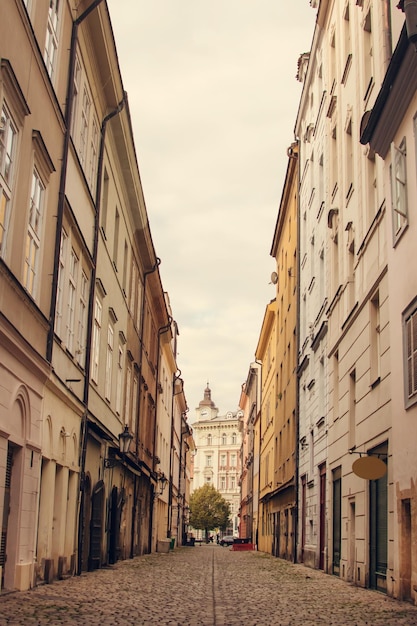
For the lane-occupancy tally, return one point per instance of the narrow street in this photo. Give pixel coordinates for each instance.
(204, 586)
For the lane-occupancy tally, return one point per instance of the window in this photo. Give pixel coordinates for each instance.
(61, 278)
(128, 415)
(8, 143)
(120, 356)
(374, 339)
(98, 314)
(72, 290)
(51, 43)
(93, 156)
(116, 238)
(76, 94)
(85, 121)
(223, 483)
(234, 439)
(109, 361)
(82, 319)
(222, 460)
(233, 460)
(208, 460)
(209, 440)
(410, 353)
(224, 439)
(104, 202)
(399, 188)
(368, 56)
(33, 236)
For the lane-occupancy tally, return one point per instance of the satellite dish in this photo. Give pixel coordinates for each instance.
(274, 278)
(369, 467)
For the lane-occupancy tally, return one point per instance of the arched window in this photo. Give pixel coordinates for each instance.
(234, 438)
(209, 439)
(224, 439)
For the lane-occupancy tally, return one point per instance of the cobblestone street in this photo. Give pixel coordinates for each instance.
(204, 586)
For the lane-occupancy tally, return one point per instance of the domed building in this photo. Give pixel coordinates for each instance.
(217, 461)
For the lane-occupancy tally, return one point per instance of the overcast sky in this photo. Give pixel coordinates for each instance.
(213, 98)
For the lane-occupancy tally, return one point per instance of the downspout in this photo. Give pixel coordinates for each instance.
(90, 320)
(63, 177)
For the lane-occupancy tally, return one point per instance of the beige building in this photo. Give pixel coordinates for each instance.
(266, 355)
(217, 459)
(87, 339)
(390, 131)
(348, 523)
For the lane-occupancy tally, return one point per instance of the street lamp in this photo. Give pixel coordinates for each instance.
(162, 480)
(125, 439)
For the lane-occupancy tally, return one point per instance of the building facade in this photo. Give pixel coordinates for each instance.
(217, 459)
(87, 338)
(390, 131)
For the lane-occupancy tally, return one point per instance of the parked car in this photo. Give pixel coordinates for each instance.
(227, 540)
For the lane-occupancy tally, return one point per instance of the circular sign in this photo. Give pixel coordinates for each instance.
(369, 467)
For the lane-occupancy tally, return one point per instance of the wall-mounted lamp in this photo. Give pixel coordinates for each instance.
(162, 480)
(125, 439)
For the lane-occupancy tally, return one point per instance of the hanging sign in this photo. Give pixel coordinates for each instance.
(369, 467)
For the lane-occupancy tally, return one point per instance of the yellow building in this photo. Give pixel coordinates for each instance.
(277, 349)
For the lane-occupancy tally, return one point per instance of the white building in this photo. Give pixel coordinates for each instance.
(217, 460)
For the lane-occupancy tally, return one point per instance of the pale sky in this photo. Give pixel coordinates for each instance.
(213, 98)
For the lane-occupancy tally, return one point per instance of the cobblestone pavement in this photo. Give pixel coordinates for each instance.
(204, 586)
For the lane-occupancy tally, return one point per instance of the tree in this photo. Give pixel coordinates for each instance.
(208, 510)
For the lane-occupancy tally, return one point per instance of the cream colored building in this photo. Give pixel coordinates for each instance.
(217, 459)
(86, 333)
(347, 332)
(390, 131)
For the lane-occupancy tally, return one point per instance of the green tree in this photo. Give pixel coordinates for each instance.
(208, 510)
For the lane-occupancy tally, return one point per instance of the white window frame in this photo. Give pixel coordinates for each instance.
(52, 37)
(109, 362)
(95, 353)
(84, 125)
(60, 285)
(34, 233)
(128, 397)
(399, 200)
(73, 268)
(8, 151)
(409, 322)
(82, 318)
(94, 139)
(119, 386)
